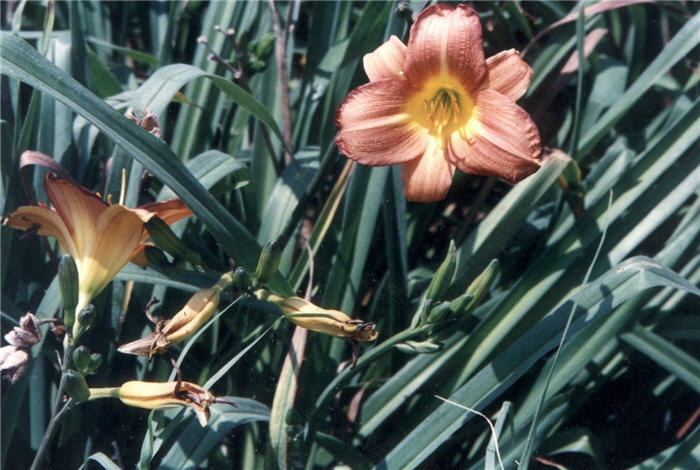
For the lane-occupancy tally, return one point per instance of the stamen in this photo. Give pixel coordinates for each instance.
(443, 109)
(122, 193)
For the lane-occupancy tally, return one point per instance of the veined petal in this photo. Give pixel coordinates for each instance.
(375, 128)
(499, 140)
(428, 177)
(386, 61)
(118, 232)
(508, 74)
(78, 207)
(48, 222)
(169, 211)
(446, 41)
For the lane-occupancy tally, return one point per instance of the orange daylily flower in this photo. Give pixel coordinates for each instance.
(100, 237)
(438, 104)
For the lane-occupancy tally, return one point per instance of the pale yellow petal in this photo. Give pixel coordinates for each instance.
(118, 231)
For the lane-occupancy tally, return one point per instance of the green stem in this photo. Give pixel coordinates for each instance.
(56, 415)
(39, 458)
(65, 365)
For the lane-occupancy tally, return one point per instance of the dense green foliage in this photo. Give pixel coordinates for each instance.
(601, 244)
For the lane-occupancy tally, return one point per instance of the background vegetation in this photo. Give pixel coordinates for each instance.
(624, 390)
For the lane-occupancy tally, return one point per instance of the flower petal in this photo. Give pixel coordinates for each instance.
(386, 61)
(499, 140)
(446, 41)
(118, 232)
(169, 211)
(78, 207)
(374, 127)
(48, 222)
(428, 177)
(508, 74)
(138, 256)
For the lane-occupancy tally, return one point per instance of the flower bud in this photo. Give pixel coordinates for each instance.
(443, 276)
(268, 263)
(165, 238)
(156, 258)
(81, 359)
(312, 317)
(439, 311)
(241, 279)
(95, 363)
(76, 387)
(479, 287)
(85, 318)
(68, 284)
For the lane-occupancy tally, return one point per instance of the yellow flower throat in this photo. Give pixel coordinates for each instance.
(442, 109)
(442, 106)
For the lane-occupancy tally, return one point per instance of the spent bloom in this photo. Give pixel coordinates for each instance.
(312, 317)
(197, 311)
(100, 237)
(152, 395)
(14, 358)
(438, 104)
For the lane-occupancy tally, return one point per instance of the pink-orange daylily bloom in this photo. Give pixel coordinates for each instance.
(437, 104)
(100, 237)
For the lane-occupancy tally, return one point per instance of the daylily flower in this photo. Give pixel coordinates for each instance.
(438, 104)
(186, 322)
(100, 237)
(312, 317)
(163, 395)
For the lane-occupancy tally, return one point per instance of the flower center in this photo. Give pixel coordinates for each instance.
(441, 106)
(442, 109)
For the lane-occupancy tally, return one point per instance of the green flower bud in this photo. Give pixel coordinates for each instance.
(81, 359)
(95, 363)
(443, 276)
(76, 387)
(68, 285)
(267, 264)
(85, 318)
(440, 311)
(156, 257)
(461, 303)
(241, 279)
(165, 238)
(480, 286)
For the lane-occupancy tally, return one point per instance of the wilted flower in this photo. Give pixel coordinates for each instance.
(312, 317)
(438, 104)
(148, 121)
(186, 322)
(100, 237)
(14, 358)
(163, 395)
